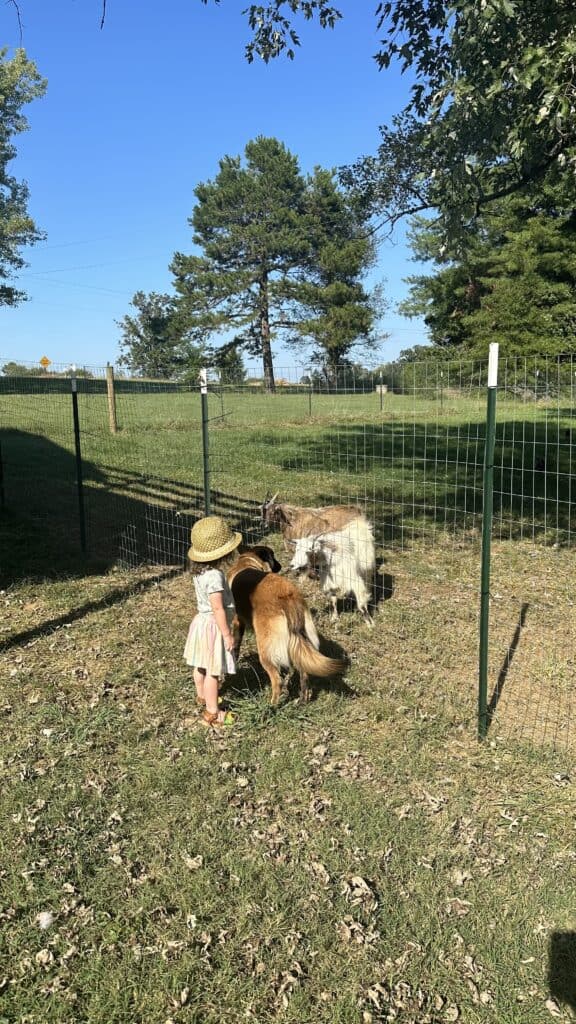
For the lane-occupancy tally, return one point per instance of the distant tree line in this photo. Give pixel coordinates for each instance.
(12, 369)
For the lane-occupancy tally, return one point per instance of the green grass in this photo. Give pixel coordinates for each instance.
(359, 859)
(416, 464)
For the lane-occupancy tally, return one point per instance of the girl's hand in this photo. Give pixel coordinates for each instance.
(221, 620)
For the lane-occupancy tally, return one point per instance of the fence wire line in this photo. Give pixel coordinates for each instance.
(408, 449)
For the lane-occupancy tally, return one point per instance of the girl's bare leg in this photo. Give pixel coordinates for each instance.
(199, 680)
(210, 691)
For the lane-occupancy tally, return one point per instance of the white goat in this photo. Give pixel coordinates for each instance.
(345, 561)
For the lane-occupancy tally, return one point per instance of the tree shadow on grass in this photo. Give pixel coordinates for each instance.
(112, 598)
(433, 473)
(562, 968)
(130, 518)
(414, 476)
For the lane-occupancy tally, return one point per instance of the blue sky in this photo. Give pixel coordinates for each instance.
(138, 113)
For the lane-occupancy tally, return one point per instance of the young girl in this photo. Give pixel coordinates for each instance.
(210, 641)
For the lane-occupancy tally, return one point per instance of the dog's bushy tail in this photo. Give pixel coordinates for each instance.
(307, 659)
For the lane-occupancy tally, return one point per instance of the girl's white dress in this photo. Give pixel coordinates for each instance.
(204, 646)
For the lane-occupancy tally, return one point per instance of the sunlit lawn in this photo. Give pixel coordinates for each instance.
(359, 860)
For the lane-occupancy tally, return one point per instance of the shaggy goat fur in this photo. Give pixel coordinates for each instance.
(345, 562)
(336, 540)
(297, 521)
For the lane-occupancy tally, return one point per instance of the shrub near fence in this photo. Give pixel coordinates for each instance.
(411, 456)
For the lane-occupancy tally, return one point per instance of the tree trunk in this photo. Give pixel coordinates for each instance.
(332, 375)
(267, 363)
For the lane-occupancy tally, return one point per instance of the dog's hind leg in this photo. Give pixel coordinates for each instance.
(274, 676)
(305, 691)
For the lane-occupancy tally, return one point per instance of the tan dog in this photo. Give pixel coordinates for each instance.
(285, 634)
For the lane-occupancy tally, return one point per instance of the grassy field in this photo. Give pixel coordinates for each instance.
(362, 859)
(416, 464)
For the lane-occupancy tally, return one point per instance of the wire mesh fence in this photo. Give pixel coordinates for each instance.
(407, 445)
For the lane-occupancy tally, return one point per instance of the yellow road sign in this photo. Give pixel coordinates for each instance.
(45, 361)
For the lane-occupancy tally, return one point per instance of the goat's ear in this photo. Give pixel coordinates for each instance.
(266, 505)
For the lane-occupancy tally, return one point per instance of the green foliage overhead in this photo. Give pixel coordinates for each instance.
(272, 30)
(514, 281)
(20, 83)
(492, 108)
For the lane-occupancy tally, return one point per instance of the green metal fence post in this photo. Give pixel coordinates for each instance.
(2, 496)
(205, 448)
(78, 451)
(487, 508)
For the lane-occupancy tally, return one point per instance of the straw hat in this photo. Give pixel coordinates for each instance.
(212, 538)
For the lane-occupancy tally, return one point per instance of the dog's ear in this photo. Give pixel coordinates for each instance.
(267, 555)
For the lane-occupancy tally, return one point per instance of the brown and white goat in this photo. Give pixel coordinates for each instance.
(336, 540)
(295, 521)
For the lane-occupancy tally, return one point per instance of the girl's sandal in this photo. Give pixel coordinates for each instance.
(217, 719)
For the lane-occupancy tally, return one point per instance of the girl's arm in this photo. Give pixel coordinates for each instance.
(219, 613)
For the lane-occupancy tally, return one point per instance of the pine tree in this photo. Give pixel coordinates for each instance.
(338, 314)
(283, 257)
(249, 224)
(513, 281)
(150, 340)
